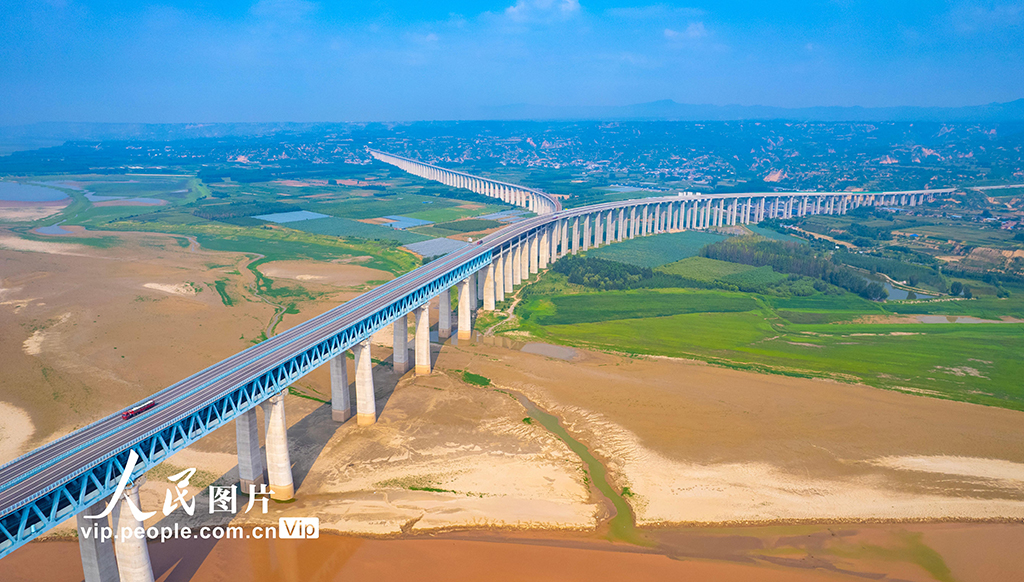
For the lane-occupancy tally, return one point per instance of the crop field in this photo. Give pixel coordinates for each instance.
(469, 225)
(703, 268)
(754, 277)
(359, 207)
(971, 235)
(569, 309)
(456, 212)
(344, 227)
(816, 336)
(654, 251)
(775, 235)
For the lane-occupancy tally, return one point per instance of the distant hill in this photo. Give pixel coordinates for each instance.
(669, 110)
(664, 110)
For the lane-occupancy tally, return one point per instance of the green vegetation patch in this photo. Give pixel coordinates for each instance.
(703, 268)
(475, 379)
(654, 251)
(344, 227)
(616, 305)
(469, 225)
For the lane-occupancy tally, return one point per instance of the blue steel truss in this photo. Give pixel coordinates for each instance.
(76, 492)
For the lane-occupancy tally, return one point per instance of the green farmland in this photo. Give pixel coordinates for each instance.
(816, 337)
(654, 251)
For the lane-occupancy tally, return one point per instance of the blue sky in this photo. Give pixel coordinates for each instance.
(302, 60)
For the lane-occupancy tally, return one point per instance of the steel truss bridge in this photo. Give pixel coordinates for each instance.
(64, 477)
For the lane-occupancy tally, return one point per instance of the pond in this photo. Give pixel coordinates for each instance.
(895, 293)
(14, 191)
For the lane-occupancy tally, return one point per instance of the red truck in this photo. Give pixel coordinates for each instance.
(137, 410)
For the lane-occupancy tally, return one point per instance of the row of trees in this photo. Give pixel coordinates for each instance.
(611, 275)
(793, 258)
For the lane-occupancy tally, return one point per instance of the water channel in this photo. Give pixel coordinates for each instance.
(622, 525)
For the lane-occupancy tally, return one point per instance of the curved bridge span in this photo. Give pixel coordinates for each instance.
(84, 468)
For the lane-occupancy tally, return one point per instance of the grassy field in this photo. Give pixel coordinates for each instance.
(334, 226)
(654, 251)
(774, 234)
(569, 309)
(801, 336)
(704, 269)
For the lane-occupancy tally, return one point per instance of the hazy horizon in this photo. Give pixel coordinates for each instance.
(299, 60)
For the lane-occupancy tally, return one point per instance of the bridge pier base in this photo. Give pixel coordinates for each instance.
(341, 402)
(133, 563)
(247, 441)
(400, 331)
(279, 464)
(423, 340)
(98, 560)
(366, 401)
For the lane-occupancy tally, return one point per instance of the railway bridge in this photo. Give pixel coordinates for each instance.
(77, 474)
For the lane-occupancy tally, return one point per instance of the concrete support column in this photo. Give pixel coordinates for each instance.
(499, 277)
(622, 224)
(507, 278)
(524, 260)
(565, 238)
(422, 340)
(575, 235)
(545, 248)
(465, 316)
(586, 232)
(279, 463)
(400, 360)
(657, 218)
(489, 287)
(341, 404)
(632, 222)
(516, 264)
(366, 400)
(597, 230)
(133, 563)
(479, 277)
(609, 230)
(534, 253)
(444, 314)
(98, 560)
(250, 460)
(472, 292)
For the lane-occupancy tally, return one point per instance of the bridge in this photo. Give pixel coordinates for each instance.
(77, 474)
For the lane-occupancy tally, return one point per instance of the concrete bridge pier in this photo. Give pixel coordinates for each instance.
(444, 314)
(423, 340)
(507, 278)
(534, 253)
(250, 461)
(489, 286)
(366, 401)
(499, 277)
(400, 331)
(545, 248)
(465, 316)
(98, 560)
(480, 277)
(524, 267)
(133, 563)
(341, 406)
(279, 464)
(517, 265)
